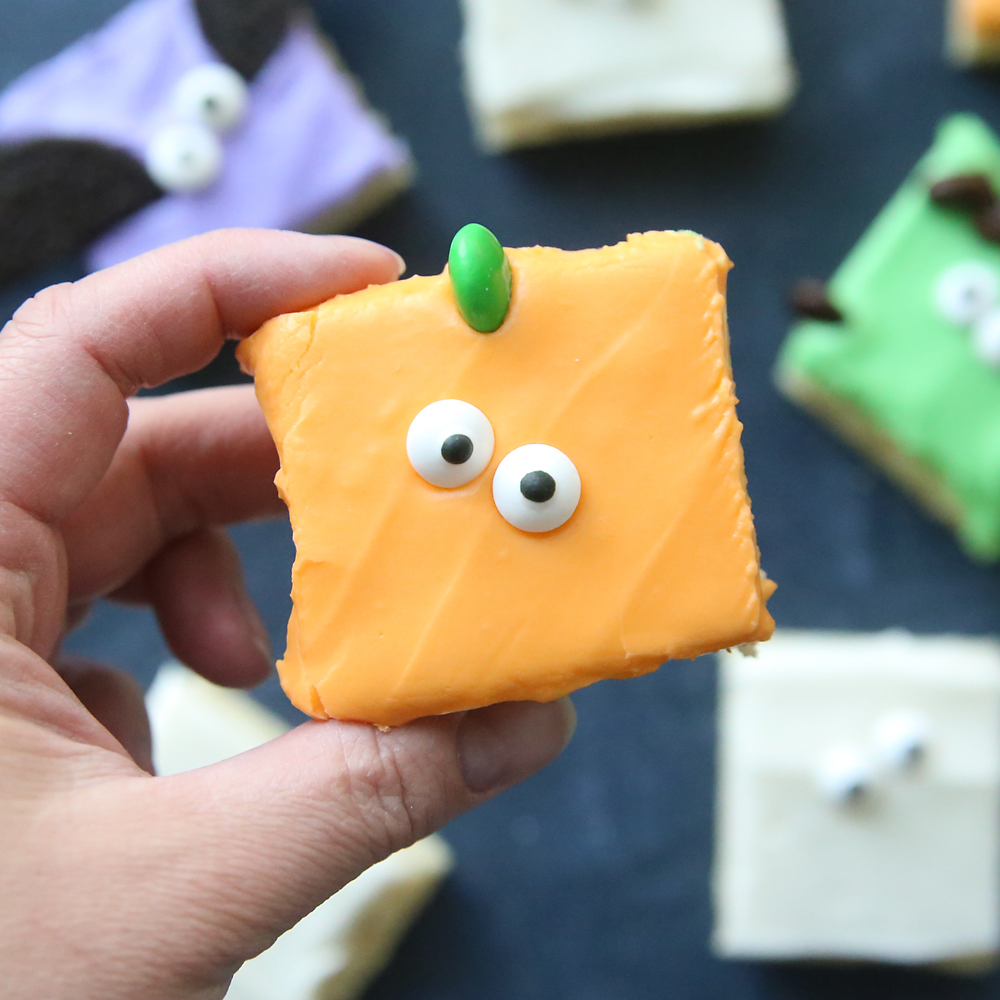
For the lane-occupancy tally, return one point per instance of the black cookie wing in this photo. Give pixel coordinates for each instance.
(56, 195)
(246, 32)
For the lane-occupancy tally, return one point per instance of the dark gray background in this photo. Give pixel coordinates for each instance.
(591, 880)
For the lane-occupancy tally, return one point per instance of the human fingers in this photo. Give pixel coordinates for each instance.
(195, 586)
(186, 461)
(76, 352)
(346, 795)
(115, 700)
(190, 875)
(267, 836)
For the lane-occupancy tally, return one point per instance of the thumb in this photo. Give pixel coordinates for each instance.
(268, 835)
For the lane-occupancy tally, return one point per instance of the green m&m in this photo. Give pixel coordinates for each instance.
(480, 277)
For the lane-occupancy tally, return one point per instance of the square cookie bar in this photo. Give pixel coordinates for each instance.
(858, 810)
(509, 495)
(178, 117)
(902, 355)
(542, 70)
(974, 31)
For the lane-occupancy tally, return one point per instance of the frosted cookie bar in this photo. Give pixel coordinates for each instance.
(542, 70)
(858, 809)
(974, 31)
(901, 354)
(512, 479)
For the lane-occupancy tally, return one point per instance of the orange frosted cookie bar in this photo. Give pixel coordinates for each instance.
(974, 31)
(572, 506)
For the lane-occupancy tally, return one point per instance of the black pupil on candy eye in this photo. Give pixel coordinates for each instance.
(457, 449)
(538, 486)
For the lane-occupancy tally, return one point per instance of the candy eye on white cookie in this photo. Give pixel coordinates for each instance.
(845, 774)
(901, 739)
(849, 772)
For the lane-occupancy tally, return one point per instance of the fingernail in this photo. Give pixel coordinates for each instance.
(400, 263)
(504, 744)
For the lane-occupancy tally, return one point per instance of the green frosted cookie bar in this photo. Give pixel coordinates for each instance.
(902, 358)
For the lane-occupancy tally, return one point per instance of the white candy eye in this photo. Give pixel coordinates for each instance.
(213, 94)
(967, 291)
(845, 774)
(536, 488)
(901, 739)
(184, 158)
(986, 338)
(449, 443)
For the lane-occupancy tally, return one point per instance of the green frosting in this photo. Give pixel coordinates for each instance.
(908, 370)
(480, 277)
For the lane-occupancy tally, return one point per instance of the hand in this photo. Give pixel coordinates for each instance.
(116, 885)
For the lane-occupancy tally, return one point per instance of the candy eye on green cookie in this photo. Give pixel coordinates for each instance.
(968, 295)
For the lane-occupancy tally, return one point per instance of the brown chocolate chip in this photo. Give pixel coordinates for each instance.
(988, 223)
(973, 192)
(809, 300)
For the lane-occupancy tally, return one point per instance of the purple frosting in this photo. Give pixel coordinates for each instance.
(307, 143)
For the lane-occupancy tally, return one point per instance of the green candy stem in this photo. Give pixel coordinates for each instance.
(480, 277)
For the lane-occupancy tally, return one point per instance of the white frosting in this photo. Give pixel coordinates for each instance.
(538, 69)
(909, 873)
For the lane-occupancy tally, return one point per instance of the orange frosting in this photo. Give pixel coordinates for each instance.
(412, 600)
(981, 16)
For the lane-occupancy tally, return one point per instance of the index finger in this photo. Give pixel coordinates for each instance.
(71, 356)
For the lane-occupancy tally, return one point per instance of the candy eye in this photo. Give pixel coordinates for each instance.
(449, 443)
(986, 338)
(844, 775)
(901, 739)
(536, 488)
(213, 94)
(966, 291)
(184, 158)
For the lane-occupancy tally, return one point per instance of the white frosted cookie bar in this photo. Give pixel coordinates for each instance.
(339, 948)
(858, 811)
(542, 70)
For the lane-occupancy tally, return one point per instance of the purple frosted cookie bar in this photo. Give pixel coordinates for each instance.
(308, 153)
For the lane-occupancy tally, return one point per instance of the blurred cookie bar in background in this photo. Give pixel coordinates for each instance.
(858, 810)
(182, 116)
(900, 353)
(539, 71)
(974, 31)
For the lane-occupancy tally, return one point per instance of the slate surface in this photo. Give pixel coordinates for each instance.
(591, 881)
